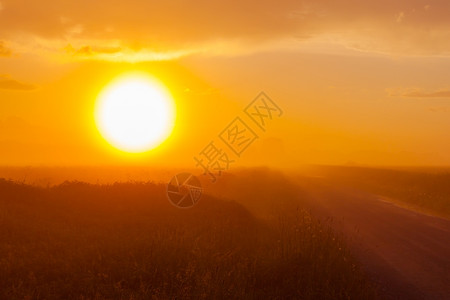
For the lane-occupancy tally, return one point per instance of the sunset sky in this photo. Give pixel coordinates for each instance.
(358, 81)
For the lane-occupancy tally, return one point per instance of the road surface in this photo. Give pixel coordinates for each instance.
(406, 253)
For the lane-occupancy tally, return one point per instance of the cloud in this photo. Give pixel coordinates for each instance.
(179, 26)
(422, 94)
(4, 51)
(419, 93)
(148, 26)
(438, 109)
(7, 83)
(400, 17)
(89, 51)
(118, 53)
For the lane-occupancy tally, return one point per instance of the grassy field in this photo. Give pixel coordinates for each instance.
(424, 189)
(125, 241)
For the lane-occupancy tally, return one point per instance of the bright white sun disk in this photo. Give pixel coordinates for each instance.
(135, 113)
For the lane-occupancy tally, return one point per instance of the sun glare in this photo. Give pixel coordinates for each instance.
(135, 113)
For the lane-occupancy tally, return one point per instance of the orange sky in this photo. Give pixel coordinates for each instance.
(357, 81)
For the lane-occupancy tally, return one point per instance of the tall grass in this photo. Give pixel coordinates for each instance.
(125, 241)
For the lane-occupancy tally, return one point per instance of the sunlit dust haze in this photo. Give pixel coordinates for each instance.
(360, 83)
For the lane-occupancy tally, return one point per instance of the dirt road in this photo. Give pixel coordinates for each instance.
(406, 253)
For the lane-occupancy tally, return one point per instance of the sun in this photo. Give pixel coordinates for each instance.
(135, 113)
